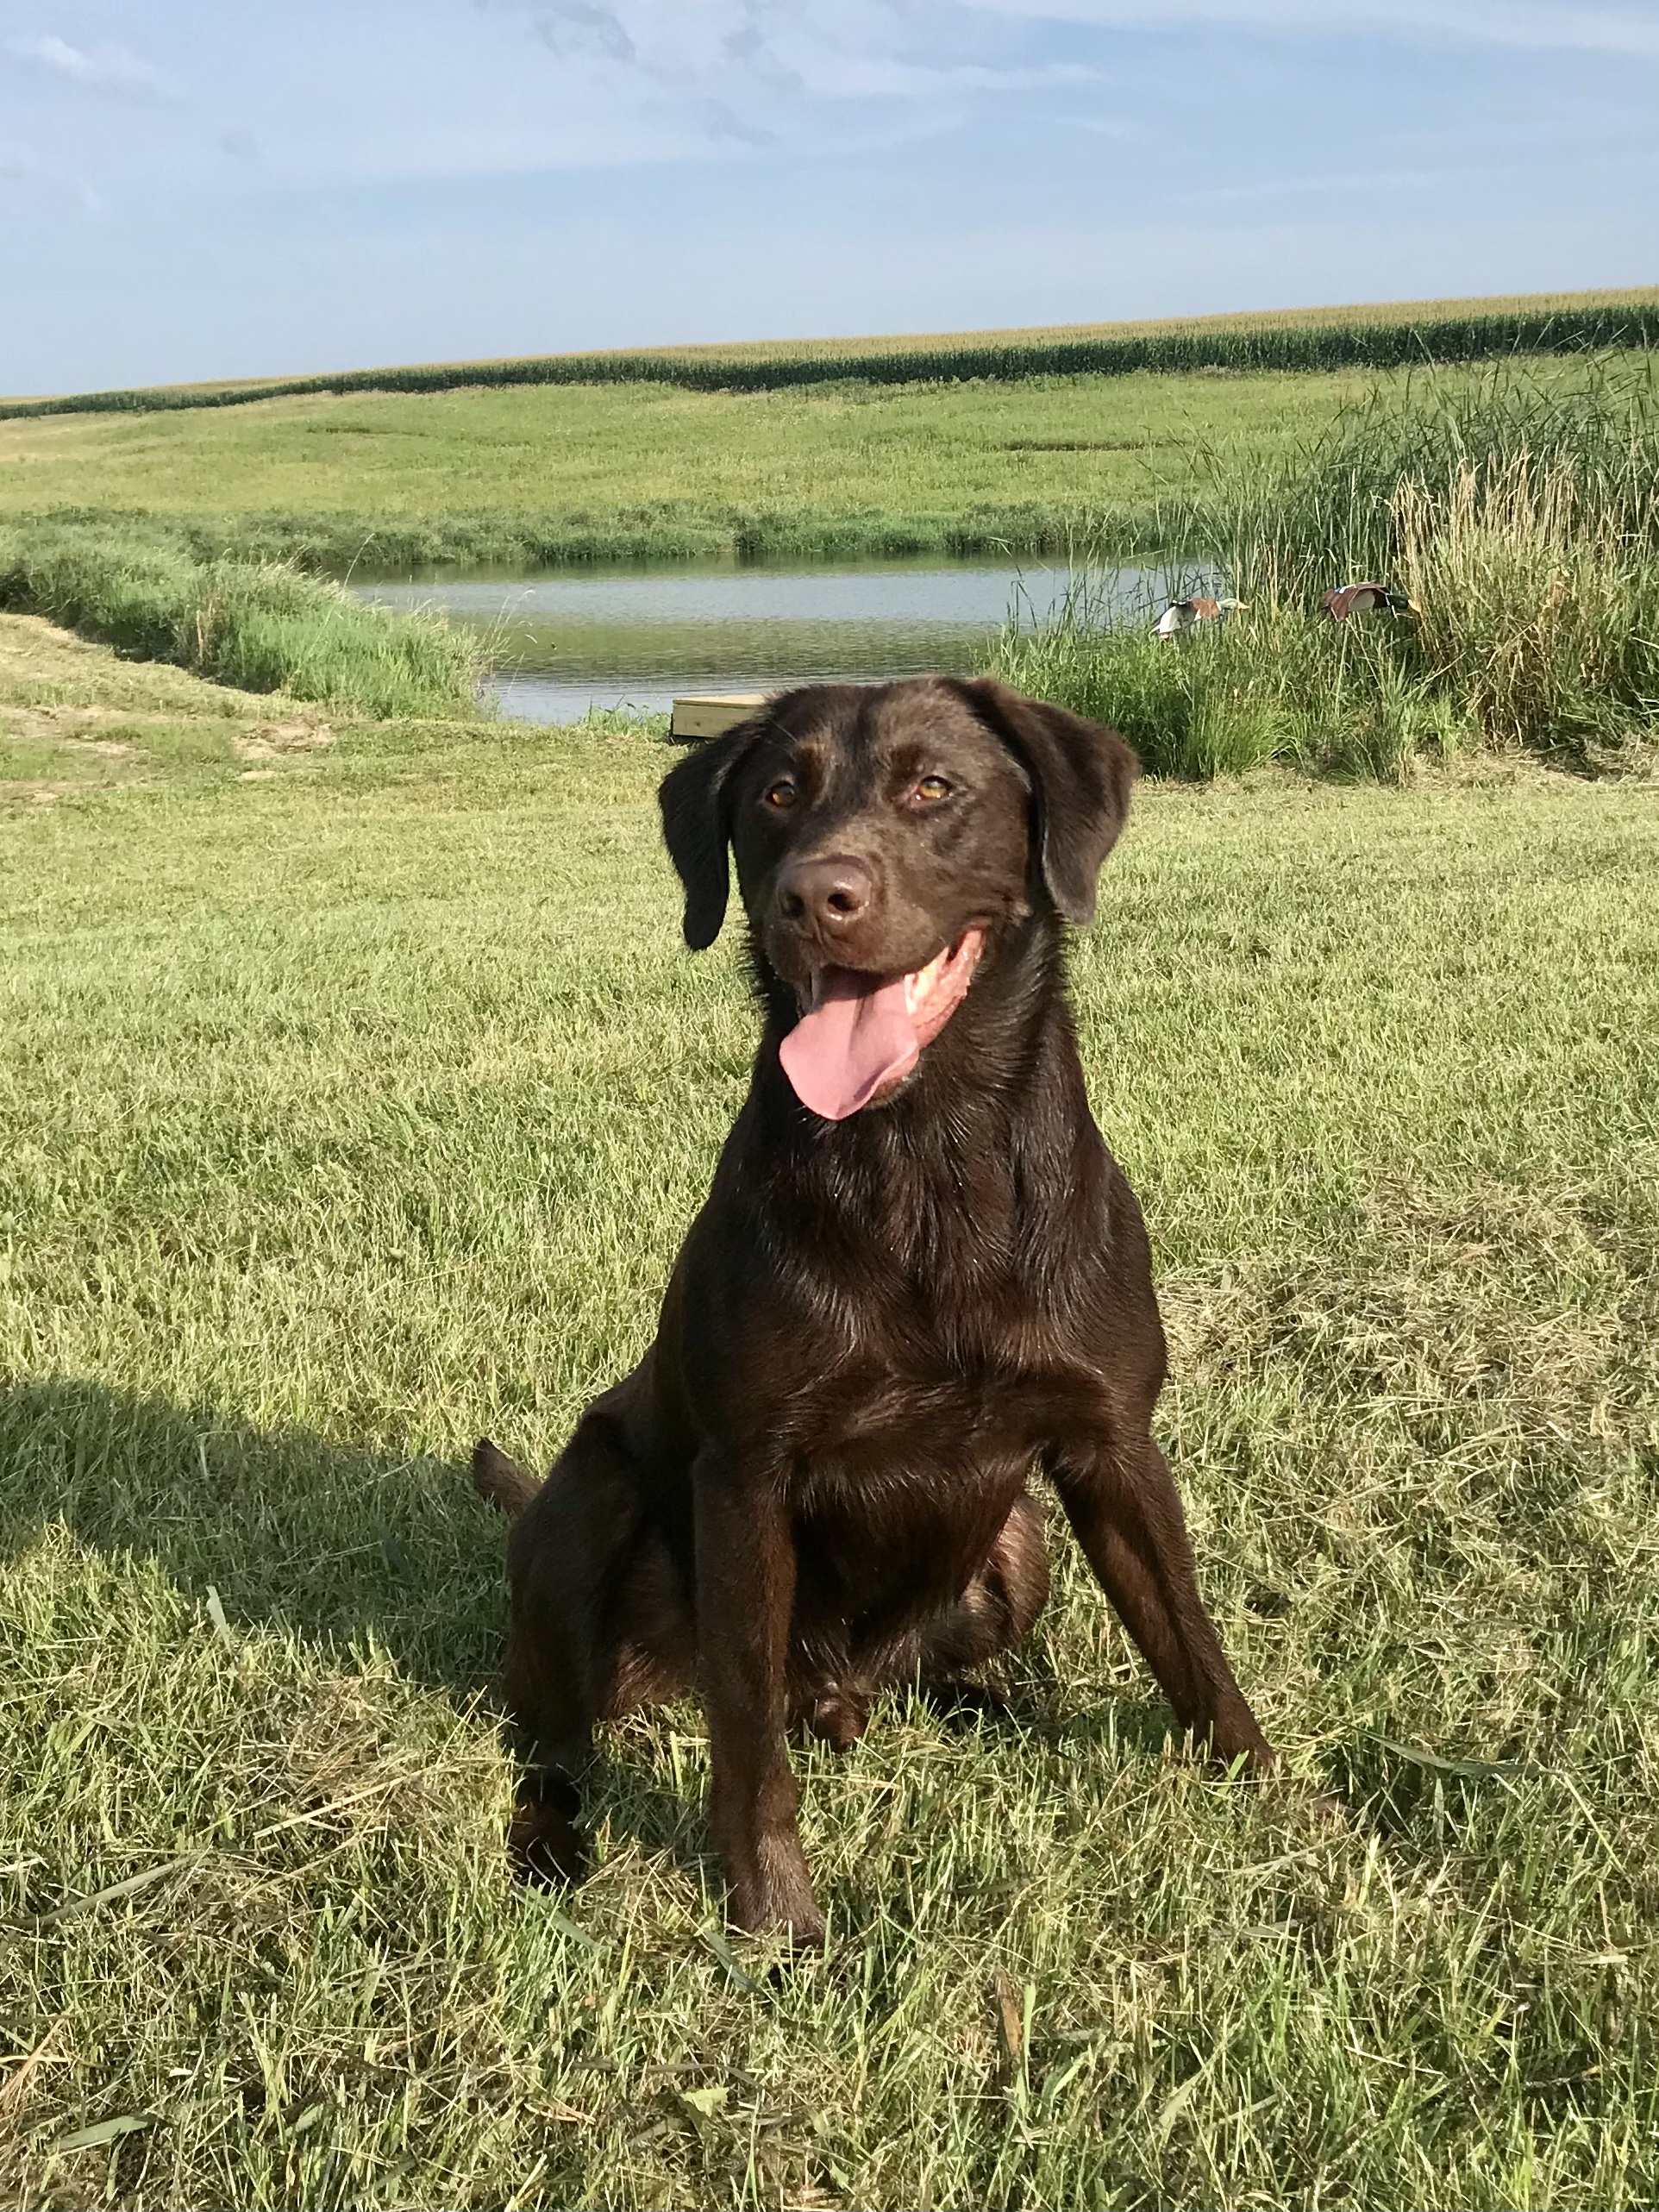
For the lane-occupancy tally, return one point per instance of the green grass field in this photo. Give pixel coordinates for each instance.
(354, 1093)
(638, 461)
(586, 471)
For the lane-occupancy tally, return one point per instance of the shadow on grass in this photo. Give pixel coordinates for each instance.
(342, 1547)
(349, 1551)
(345, 1550)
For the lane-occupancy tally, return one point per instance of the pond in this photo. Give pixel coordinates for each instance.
(562, 643)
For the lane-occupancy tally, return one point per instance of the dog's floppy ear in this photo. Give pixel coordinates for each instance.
(697, 826)
(1081, 776)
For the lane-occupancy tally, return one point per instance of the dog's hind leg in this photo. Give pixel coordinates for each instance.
(594, 1628)
(995, 1611)
(998, 1606)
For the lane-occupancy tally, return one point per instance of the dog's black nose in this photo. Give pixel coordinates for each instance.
(832, 892)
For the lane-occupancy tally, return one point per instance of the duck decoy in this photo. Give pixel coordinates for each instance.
(1366, 599)
(1186, 614)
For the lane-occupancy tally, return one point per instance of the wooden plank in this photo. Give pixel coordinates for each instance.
(712, 712)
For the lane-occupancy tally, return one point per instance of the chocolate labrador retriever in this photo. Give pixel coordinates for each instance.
(919, 1277)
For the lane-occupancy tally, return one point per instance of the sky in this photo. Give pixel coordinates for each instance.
(205, 188)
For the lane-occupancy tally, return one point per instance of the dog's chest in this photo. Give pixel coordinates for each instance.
(932, 1410)
(955, 1340)
(901, 1477)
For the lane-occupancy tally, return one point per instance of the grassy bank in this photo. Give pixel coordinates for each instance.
(1466, 331)
(655, 532)
(533, 478)
(353, 1098)
(1520, 517)
(259, 625)
(399, 482)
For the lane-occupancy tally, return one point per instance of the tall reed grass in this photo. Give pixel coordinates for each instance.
(1538, 602)
(262, 625)
(1523, 521)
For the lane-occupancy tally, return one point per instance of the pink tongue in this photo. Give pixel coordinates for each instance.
(858, 1035)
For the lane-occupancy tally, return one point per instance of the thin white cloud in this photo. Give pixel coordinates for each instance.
(1631, 31)
(100, 68)
(869, 77)
(445, 89)
(744, 50)
(569, 84)
(578, 26)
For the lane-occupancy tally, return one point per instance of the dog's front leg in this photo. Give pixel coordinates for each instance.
(745, 1595)
(1122, 1502)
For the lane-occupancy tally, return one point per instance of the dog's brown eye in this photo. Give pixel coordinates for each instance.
(781, 794)
(933, 788)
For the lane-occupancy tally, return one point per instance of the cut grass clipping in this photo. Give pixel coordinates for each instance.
(358, 1107)
(259, 625)
(1521, 516)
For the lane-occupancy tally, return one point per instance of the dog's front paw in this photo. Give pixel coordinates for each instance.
(545, 1848)
(773, 1896)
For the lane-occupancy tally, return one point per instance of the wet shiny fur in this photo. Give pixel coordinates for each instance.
(814, 1485)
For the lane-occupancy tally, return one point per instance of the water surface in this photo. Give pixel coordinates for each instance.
(561, 645)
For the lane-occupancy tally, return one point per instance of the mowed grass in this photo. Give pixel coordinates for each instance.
(588, 468)
(354, 1099)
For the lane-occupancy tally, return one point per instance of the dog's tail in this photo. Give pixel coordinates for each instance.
(502, 1481)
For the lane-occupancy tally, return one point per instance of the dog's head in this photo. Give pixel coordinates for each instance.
(887, 836)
